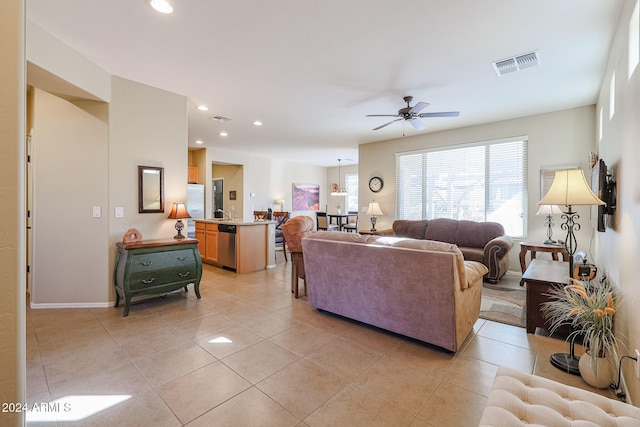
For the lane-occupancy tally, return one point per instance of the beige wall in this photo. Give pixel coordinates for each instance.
(12, 190)
(618, 248)
(557, 138)
(147, 127)
(269, 179)
(69, 145)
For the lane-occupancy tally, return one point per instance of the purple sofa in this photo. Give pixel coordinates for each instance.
(418, 288)
(484, 242)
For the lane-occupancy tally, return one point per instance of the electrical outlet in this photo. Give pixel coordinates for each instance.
(637, 366)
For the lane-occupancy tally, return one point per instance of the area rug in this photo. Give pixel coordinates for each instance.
(504, 302)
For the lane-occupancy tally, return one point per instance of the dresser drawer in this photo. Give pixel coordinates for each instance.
(150, 279)
(156, 267)
(161, 260)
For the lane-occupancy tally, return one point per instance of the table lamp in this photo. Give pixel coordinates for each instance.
(374, 210)
(279, 202)
(179, 212)
(569, 188)
(549, 211)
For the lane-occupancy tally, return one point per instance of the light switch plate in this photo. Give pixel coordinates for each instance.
(119, 212)
(97, 212)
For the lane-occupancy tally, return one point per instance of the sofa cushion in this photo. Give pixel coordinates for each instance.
(468, 271)
(442, 230)
(341, 236)
(473, 254)
(473, 234)
(410, 228)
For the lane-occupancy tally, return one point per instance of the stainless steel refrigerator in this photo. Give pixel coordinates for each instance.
(195, 206)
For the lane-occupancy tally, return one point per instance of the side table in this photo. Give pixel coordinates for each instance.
(541, 276)
(534, 247)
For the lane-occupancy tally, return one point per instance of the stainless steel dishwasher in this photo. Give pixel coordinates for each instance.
(227, 245)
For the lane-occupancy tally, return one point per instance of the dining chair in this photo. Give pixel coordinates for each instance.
(281, 218)
(323, 223)
(295, 230)
(259, 215)
(352, 222)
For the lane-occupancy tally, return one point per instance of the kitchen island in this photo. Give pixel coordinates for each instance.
(238, 245)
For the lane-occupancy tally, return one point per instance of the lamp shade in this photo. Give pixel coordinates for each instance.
(278, 202)
(374, 209)
(549, 210)
(570, 188)
(179, 211)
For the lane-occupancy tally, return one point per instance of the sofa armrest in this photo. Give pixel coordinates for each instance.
(500, 246)
(496, 257)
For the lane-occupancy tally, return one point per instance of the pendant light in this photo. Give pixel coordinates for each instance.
(341, 191)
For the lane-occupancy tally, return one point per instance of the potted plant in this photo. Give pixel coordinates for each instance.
(589, 308)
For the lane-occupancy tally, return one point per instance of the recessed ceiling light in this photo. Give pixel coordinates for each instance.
(162, 6)
(203, 108)
(199, 141)
(257, 123)
(223, 134)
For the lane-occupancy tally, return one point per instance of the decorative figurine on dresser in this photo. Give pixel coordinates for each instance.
(155, 266)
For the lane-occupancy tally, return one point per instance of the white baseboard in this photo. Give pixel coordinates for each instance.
(38, 306)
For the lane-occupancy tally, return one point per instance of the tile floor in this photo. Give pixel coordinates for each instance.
(248, 354)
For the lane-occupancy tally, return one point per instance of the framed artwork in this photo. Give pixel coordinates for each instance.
(232, 195)
(306, 197)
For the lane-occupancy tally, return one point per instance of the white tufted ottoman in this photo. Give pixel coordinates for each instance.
(519, 399)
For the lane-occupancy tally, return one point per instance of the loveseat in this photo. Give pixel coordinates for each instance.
(483, 242)
(418, 288)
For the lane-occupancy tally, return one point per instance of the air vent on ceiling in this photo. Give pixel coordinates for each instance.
(516, 63)
(220, 119)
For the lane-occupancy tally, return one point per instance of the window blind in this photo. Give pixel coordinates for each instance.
(479, 182)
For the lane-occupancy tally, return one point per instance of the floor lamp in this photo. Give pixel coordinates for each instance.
(569, 188)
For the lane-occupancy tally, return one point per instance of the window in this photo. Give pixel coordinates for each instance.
(612, 96)
(478, 182)
(634, 40)
(352, 191)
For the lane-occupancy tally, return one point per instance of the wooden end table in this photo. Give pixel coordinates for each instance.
(534, 247)
(541, 277)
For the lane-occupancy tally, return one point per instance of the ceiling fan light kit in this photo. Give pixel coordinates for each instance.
(412, 114)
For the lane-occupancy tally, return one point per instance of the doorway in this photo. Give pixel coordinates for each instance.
(218, 197)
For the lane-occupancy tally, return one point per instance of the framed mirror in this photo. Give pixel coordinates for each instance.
(150, 189)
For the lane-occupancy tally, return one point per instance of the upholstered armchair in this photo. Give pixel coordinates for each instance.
(294, 230)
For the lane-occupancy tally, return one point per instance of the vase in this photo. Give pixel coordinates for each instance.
(339, 211)
(588, 371)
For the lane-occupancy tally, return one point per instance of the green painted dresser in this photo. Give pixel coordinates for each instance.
(156, 267)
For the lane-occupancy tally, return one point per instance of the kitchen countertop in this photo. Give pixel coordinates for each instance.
(238, 221)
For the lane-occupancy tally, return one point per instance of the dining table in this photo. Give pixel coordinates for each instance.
(340, 219)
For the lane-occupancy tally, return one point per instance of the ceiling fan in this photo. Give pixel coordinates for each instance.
(412, 114)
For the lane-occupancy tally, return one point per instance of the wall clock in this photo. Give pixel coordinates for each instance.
(376, 184)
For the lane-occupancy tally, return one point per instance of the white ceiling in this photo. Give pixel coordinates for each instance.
(312, 70)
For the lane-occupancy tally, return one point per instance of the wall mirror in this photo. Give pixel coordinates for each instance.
(150, 189)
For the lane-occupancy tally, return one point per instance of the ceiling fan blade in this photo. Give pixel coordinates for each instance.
(419, 107)
(386, 124)
(440, 114)
(382, 115)
(417, 124)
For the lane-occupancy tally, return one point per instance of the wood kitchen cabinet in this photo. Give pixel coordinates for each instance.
(207, 235)
(193, 175)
